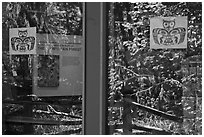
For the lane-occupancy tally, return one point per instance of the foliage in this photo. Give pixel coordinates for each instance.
(151, 77)
(50, 17)
(58, 18)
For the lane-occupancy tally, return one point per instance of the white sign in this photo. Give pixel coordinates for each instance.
(22, 41)
(168, 32)
(69, 51)
(53, 44)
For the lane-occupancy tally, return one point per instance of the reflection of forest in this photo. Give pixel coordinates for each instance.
(20, 106)
(48, 71)
(55, 18)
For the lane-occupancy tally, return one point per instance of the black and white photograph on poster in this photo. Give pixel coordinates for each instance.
(101, 68)
(48, 71)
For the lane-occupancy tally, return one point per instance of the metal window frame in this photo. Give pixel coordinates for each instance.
(94, 103)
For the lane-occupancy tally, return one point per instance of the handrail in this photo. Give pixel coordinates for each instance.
(42, 102)
(34, 121)
(143, 128)
(154, 111)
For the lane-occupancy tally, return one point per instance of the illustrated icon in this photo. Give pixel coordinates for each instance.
(169, 35)
(23, 42)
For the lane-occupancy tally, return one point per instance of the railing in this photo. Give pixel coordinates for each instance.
(29, 121)
(128, 126)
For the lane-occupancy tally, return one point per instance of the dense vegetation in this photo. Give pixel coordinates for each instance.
(54, 18)
(154, 78)
(17, 72)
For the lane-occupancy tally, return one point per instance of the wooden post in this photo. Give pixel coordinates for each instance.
(3, 122)
(28, 128)
(28, 108)
(127, 119)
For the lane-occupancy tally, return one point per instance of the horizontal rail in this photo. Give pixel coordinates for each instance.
(26, 102)
(29, 120)
(153, 130)
(72, 131)
(43, 102)
(154, 111)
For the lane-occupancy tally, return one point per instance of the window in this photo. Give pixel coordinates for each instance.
(149, 88)
(103, 68)
(43, 69)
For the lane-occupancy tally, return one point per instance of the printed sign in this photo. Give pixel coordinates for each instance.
(53, 44)
(22, 41)
(168, 32)
(60, 65)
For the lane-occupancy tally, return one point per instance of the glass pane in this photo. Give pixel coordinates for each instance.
(42, 67)
(48, 76)
(155, 90)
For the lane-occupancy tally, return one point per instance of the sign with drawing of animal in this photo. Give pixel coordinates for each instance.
(168, 32)
(22, 41)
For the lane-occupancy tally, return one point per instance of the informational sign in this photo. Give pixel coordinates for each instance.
(168, 32)
(60, 65)
(22, 41)
(53, 44)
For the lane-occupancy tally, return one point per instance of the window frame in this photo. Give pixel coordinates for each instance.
(94, 103)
